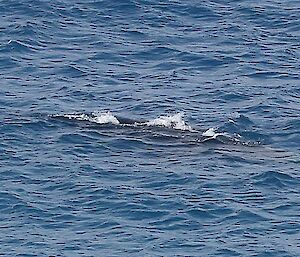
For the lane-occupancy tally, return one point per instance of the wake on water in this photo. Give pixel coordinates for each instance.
(170, 122)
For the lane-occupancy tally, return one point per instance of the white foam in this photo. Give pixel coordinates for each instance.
(104, 118)
(97, 117)
(76, 116)
(171, 121)
(211, 132)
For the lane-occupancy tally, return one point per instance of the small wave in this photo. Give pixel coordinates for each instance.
(72, 71)
(16, 46)
(275, 179)
(242, 128)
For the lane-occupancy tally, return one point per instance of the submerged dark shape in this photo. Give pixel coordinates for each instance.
(128, 121)
(163, 127)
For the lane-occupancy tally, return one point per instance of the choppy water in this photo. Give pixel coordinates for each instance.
(149, 128)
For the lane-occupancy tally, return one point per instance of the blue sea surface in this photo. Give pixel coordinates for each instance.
(150, 128)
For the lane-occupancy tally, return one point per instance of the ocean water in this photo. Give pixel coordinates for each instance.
(149, 128)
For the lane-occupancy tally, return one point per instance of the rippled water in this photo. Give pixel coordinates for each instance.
(147, 128)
